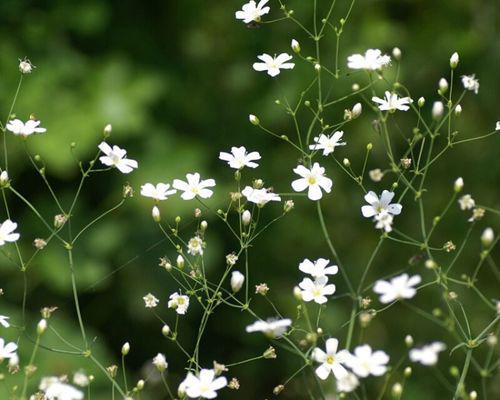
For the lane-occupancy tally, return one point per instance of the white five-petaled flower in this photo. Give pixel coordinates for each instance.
(273, 65)
(428, 354)
(392, 102)
(7, 234)
(331, 360)
(470, 83)
(328, 143)
(378, 206)
(116, 157)
(205, 385)
(318, 268)
(313, 179)
(466, 202)
(194, 187)
(252, 12)
(179, 302)
(364, 361)
(18, 127)
(239, 158)
(150, 301)
(159, 192)
(272, 327)
(348, 383)
(55, 389)
(195, 246)
(7, 350)
(4, 321)
(259, 196)
(316, 290)
(372, 60)
(399, 287)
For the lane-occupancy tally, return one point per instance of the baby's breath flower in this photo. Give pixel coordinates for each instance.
(437, 110)
(195, 246)
(454, 60)
(487, 237)
(392, 102)
(314, 180)
(150, 301)
(194, 186)
(237, 280)
(372, 60)
(25, 66)
(259, 196)
(466, 202)
(328, 143)
(270, 353)
(406, 163)
(273, 65)
(234, 384)
(458, 185)
(376, 174)
(477, 214)
(331, 360)
(205, 385)
(316, 290)
(158, 192)
(428, 354)
(39, 243)
(179, 302)
(252, 12)
(272, 327)
(399, 287)
(364, 361)
(261, 289)
(116, 157)
(231, 259)
(239, 158)
(449, 246)
(19, 128)
(470, 83)
(160, 362)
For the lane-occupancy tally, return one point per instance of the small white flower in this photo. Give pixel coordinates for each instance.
(316, 290)
(116, 157)
(195, 246)
(25, 66)
(328, 143)
(273, 65)
(205, 385)
(437, 110)
(159, 192)
(7, 350)
(252, 12)
(392, 102)
(428, 354)
(470, 83)
(179, 302)
(160, 362)
(376, 174)
(55, 389)
(259, 196)
(239, 158)
(237, 280)
(348, 383)
(81, 379)
(466, 202)
(18, 127)
(378, 206)
(384, 221)
(7, 232)
(312, 179)
(194, 187)
(272, 327)
(3, 321)
(399, 287)
(318, 268)
(372, 60)
(150, 301)
(331, 360)
(364, 361)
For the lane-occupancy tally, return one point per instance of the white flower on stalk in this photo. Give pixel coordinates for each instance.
(150, 301)
(160, 362)
(470, 83)
(7, 233)
(259, 196)
(318, 268)
(194, 187)
(364, 361)
(379, 205)
(372, 60)
(273, 328)
(328, 143)
(399, 287)
(116, 157)
(392, 102)
(179, 302)
(7, 350)
(239, 158)
(19, 128)
(428, 354)
(205, 385)
(376, 174)
(348, 383)
(25, 66)
(159, 192)
(3, 321)
(195, 246)
(237, 280)
(81, 379)
(55, 389)
(316, 290)
(273, 65)
(466, 202)
(252, 12)
(313, 179)
(331, 360)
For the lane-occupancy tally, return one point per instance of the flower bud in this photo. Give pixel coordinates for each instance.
(297, 293)
(355, 87)
(237, 280)
(408, 340)
(397, 390)
(288, 206)
(165, 331)
(4, 179)
(140, 384)
(295, 46)
(407, 372)
(246, 217)
(396, 53)
(454, 59)
(155, 213)
(346, 162)
(458, 185)
(487, 237)
(458, 110)
(203, 225)
(25, 66)
(253, 119)
(41, 327)
(356, 110)
(421, 102)
(180, 262)
(437, 110)
(443, 86)
(270, 352)
(473, 395)
(125, 349)
(107, 130)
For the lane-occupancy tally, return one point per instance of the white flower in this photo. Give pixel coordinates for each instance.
(194, 187)
(252, 11)
(384, 221)
(318, 268)
(466, 202)
(378, 206)
(487, 238)
(3, 321)
(392, 102)
(237, 280)
(328, 143)
(18, 127)
(195, 246)
(205, 385)
(273, 64)
(316, 290)
(372, 60)
(7, 232)
(272, 327)
(331, 360)
(376, 174)
(159, 192)
(348, 383)
(259, 196)
(437, 109)
(364, 361)
(81, 379)
(7, 350)
(25, 66)
(179, 302)
(239, 158)
(399, 287)
(428, 354)
(312, 179)
(55, 389)
(160, 362)
(116, 157)
(150, 301)
(470, 83)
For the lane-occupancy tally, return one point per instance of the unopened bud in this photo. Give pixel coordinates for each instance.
(165, 330)
(237, 280)
(437, 110)
(155, 213)
(346, 162)
(295, 46)
(41, 327)
(270, 352)
(408, 340)
(180, 262)
(421, 102)
(125, 348)
(107, 130)
(140, 384)
(246, 217)
(458, 110)
(443, 86)
(397, 390)
(396, 53)
(253, 119)
(458, 185)
(487, 237)
(454, 60)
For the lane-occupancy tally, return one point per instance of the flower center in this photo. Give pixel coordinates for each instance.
(311, 180)
(330, 360)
